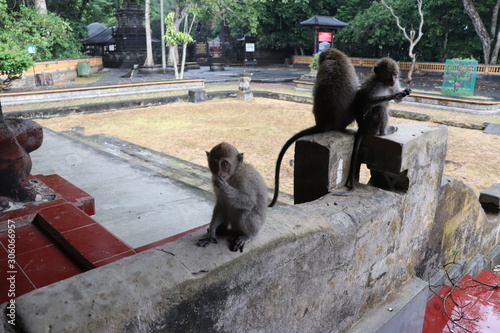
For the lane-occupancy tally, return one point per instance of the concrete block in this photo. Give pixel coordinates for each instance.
(321, 164)
(492, 129)
(490, 198)
(244, 95)
(395, 152)
(402, 311)
(322, 161)
(198, 95)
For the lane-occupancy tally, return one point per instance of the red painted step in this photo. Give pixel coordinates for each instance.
(472, 307)
(44, 242)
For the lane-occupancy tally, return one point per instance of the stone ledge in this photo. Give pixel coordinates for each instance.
(490, 198)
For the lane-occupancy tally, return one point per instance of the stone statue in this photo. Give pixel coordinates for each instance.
(18, 138)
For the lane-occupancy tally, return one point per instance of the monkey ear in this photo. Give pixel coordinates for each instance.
(208, 154)
(240, 158)
(376, 69)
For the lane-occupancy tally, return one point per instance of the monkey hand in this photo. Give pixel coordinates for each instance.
(402, 94)
(221, 184)
(206, 241)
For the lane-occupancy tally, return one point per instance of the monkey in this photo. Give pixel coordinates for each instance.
(371, 108)
(333, 94)
(241, 197)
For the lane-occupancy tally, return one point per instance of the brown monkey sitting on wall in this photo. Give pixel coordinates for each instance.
(333, 94)
(241, 196)
(371, 107)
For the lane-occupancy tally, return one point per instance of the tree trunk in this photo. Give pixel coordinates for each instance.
(480, 29)
(149, 48)
(409, 78)
(41, 5)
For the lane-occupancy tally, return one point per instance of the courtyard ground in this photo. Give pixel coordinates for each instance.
(261, 126)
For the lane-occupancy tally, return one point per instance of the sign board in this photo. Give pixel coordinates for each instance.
(31, 49)
(201, 48)
(249, 47)
(325, 37)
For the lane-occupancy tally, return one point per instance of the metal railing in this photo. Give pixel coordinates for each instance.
(421, 66)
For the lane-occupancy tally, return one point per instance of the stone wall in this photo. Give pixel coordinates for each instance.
(315, 267)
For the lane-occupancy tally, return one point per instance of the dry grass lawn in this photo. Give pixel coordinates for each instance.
(259, 128)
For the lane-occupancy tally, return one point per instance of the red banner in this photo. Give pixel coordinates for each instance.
(325, 37)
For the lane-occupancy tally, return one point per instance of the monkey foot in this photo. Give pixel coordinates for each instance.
(238, 243)
(343, 193)
(206, 241)
(5, 203)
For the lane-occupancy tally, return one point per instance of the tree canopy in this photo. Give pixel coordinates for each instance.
(448, 30)
(49, 33)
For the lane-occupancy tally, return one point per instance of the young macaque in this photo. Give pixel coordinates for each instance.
(334, 92)
(371, 107)
(241, 197)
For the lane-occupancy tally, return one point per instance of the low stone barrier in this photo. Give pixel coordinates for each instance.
(319, 266)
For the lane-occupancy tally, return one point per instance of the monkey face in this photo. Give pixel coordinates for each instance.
(222, 168)
(223, 160)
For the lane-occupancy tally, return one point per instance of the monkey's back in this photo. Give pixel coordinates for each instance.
(334, 90)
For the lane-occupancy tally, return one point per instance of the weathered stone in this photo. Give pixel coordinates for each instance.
(321, 164)
(322, 161)
(492, 129)
(490, 198)
(17, 139)
(198, 95)
(244, 95)
(314, 267)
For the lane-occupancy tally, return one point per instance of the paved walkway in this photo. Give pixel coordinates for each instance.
(135, 203)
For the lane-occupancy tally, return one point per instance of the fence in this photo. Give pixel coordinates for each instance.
(60, 65)
(421, 66)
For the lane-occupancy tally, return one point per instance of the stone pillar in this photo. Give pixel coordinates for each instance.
(395, 161)
(245, 93)
(196, 96)
(321, 164)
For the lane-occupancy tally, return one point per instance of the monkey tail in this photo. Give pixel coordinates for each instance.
(305, 132)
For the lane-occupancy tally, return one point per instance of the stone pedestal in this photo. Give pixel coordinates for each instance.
(245, 93)
(198, 95)
(321, 164)
(395, 161)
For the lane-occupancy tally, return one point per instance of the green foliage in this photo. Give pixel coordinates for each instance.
(280, 21)
(315, 61)
(14, 60)
(50, 34)
(242, 17)
(372, 33)
(173, 37)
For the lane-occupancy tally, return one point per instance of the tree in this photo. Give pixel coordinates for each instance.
(14, 60)
(369, 33)
(149, 48)
(173, 38)
(51, 35)
(411, 38)
(487, 39)
(41, 6)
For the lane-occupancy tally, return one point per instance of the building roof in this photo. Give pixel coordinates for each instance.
(99, 35)
(318, 21)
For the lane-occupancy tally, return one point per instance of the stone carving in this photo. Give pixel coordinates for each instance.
(18, 138)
